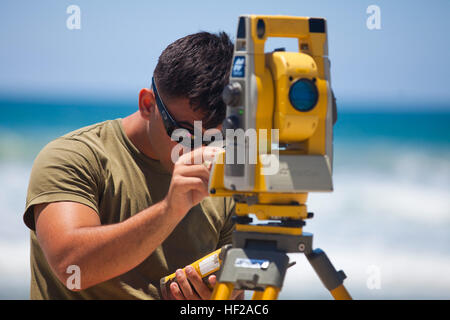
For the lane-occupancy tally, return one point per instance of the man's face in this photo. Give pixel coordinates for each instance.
(181, 111)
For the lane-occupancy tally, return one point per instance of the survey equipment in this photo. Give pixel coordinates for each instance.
(278, 147)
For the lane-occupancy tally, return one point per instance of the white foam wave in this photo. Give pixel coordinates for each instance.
(14, 269)
(13, 189)
(385, 197)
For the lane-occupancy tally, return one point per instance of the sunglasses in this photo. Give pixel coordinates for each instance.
(170, 124)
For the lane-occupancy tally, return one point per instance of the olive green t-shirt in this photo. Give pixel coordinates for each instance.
(98, 166)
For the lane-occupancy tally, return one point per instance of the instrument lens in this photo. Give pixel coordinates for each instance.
(303, 95)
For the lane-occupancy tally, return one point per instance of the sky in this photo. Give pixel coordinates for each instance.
(113, 54)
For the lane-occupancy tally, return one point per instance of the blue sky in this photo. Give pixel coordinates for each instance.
(116, 49)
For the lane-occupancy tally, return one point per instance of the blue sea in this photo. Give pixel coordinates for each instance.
(386, 224)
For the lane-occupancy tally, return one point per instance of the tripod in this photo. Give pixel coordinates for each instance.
(258, 259)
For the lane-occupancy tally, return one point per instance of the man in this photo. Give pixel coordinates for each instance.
(107, 200)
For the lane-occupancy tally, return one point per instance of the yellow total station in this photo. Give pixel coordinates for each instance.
(278, 147)
(280, 113)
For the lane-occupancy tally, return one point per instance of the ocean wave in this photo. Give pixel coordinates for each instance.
(383, 196)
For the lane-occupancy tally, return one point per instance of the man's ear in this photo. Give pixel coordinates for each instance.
(147, 103)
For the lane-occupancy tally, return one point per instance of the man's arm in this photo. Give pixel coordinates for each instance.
(103, 252)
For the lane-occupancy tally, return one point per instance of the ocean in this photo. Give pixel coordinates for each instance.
(386, 224)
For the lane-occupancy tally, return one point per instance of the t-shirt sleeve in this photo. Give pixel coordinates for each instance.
(229, 225)
(65, 170)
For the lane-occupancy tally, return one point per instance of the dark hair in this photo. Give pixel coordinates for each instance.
(197, 67)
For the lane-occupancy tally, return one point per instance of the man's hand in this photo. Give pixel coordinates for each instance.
(189, 184)
(184, 291)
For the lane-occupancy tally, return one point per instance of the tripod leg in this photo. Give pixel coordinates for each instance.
(340, 293)
(222, 291)
(331, 279)
(257, 295)
(270, 293)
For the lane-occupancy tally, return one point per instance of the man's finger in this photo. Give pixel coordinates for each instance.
(201, 288)
(176, 292)
(210, 153)
(192, 183)
(212, 280)
(198, 156)
(185, 286)
(196, 170)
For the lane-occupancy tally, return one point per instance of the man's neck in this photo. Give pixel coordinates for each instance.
(136, 130)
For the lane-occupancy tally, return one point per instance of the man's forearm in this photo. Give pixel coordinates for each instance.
(107, 251)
